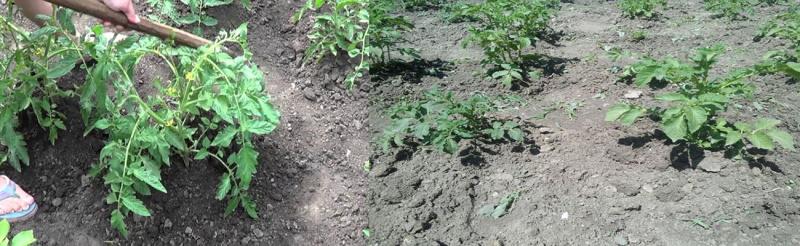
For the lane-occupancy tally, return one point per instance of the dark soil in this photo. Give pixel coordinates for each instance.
(584, 181)
(309, 187)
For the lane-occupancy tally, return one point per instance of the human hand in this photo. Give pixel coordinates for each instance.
(124, 6)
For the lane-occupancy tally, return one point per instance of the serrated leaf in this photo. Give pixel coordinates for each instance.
(224, 186)
(118, 222)
(675, 127)
(62, 67)
(695, 118)
(174, 139)
(732, 138)
(249, 207)
(149, 178)
(783, 138)
(763, 123)
(247, 160)
(135, 205)
(224, 138)
(761, 140)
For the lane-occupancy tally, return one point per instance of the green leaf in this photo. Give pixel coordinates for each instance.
(249, 207)
(118, 222)
(62, 67)
(247, 160)
(672, 97)
(732, 138)
(23, 238)
(4, 228)
(149, 178)
(793, 69)
(174, 139)
(761, 140)
(135, 205)
(696, 117)
(783, 138)
(224, 138)
(224, 186)
(628, 118)
(675, 127)
(233, 203)
(616, 111)
(516, 134)
(764, 124)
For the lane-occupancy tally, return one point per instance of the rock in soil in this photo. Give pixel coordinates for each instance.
(621, 240)
(57, 202)
(633, 94)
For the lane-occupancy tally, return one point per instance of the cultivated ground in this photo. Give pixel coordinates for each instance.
(309, 186)
(584, 181)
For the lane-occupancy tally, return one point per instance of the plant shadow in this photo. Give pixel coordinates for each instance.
(411, 71)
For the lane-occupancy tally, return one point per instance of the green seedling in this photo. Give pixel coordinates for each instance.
(23, 238)
(442, 120)
(502, 207)
(505, 29)
(640, 8)
(197, 10)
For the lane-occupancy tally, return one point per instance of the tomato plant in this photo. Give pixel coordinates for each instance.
(785, 26)
(343, 29)
(210, 106)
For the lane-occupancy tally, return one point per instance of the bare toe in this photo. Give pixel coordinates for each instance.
(24, 196)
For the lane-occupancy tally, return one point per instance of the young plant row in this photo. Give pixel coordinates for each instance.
(731, 9)
(209, 106)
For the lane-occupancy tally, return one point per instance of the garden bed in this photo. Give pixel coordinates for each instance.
(582, 180)
(308, 187)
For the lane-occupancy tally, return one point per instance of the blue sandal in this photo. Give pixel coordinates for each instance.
(10, 191)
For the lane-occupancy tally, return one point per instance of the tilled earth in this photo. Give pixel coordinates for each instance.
(583, 180)
(309, 187)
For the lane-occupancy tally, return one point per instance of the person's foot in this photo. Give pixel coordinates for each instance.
(14, 204)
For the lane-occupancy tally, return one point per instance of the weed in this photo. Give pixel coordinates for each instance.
(441, 120)
(736, 9)
(692, 116)
(640, 8)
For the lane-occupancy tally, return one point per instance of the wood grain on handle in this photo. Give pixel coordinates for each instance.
(99, 10)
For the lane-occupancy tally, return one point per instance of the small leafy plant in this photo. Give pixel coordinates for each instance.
(506, 28)
(736, 9)
(442, 120)
(785, 26)
(344, 29)
(502, 207)
(23, 238)
(641, 8)
(421, 4)
(692, 116)
(387, 33)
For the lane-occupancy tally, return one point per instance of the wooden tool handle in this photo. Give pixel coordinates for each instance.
(99, 10)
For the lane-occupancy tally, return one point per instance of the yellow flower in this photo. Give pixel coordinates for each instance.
(172, 92)
(38, 52)
(170, 122)
(190, 76)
